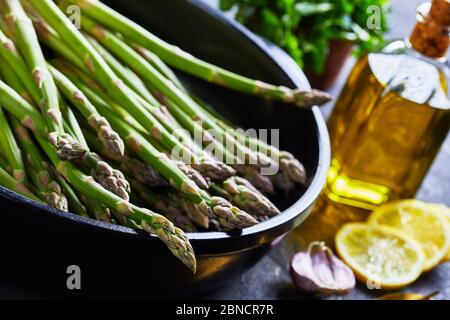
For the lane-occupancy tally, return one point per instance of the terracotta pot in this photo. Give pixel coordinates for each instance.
(339, 51)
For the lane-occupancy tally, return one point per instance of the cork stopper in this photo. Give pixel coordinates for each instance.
(431, 34)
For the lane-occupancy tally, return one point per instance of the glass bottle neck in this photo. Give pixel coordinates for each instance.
(431, 33)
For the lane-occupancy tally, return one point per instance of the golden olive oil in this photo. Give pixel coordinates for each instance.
(386, 129)
(387, 126)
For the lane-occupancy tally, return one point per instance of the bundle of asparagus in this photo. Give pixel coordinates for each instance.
(91, 126)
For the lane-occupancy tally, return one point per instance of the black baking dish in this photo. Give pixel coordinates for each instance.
(39, 243)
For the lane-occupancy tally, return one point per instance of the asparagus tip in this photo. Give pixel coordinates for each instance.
(194, 175)
(245, 196)
(109, 138)
(67, 148)
(112, 180)
(57, 201)
(294, 168)
(307, 99)
(231, 217)
(262, 183)
(215, 170)
(174, 238)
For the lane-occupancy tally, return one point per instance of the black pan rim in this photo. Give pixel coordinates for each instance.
(299, 208)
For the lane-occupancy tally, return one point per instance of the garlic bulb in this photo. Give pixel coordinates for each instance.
(318, 270)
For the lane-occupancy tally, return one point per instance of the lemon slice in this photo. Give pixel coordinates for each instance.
(425, 225)
(381, 256)
(444, 211)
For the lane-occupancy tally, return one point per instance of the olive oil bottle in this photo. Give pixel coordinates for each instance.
(387, 126)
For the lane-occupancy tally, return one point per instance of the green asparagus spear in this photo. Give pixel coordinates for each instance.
(4, 163)
(12, 57)
(49, 189)
(165, 204)
(179, 59)
(99, 212)
(109, 138)
(12, 150)
(22, 110)
(68, 149)
(111, 179)
(174, 238)
(127, 76)
(207, 166)
(229, 216)
(138, 170)
(159, 65)
(151, 75)
(75, 205)
(244, 195)
(7, 181)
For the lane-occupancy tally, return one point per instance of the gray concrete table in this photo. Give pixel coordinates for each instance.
(270, 279)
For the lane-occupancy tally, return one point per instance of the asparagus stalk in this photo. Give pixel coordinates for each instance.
(249, 172)
(107, 136)
(206, 166)
(143, 173)
(126, 75)
(109, 80)
(159, 65)
(244, 195)
(179, 59)
(173, 204)
(160, 113)
(230, 216)
(13, 59)
(174, 238)
(96, 94)
(99, 212)
(95, 63)
(164, 203)
(166, 87)
(49, 189)
(261, 182)
(291, 171)
(49, 36)
(188, 170)
(288, 162)
(111, 179)
(4, 164)
(12, 150)
(22, 110)
(71, 124)
(68, 149)
(7, 181)
(138, 170)
(75, 204)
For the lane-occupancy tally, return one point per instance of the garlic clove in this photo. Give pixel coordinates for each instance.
(318, 270)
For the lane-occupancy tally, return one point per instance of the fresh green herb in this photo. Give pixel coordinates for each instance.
(304, 29)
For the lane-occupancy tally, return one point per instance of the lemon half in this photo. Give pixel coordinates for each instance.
(419, 221)
(444, 211)
(383, 256)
